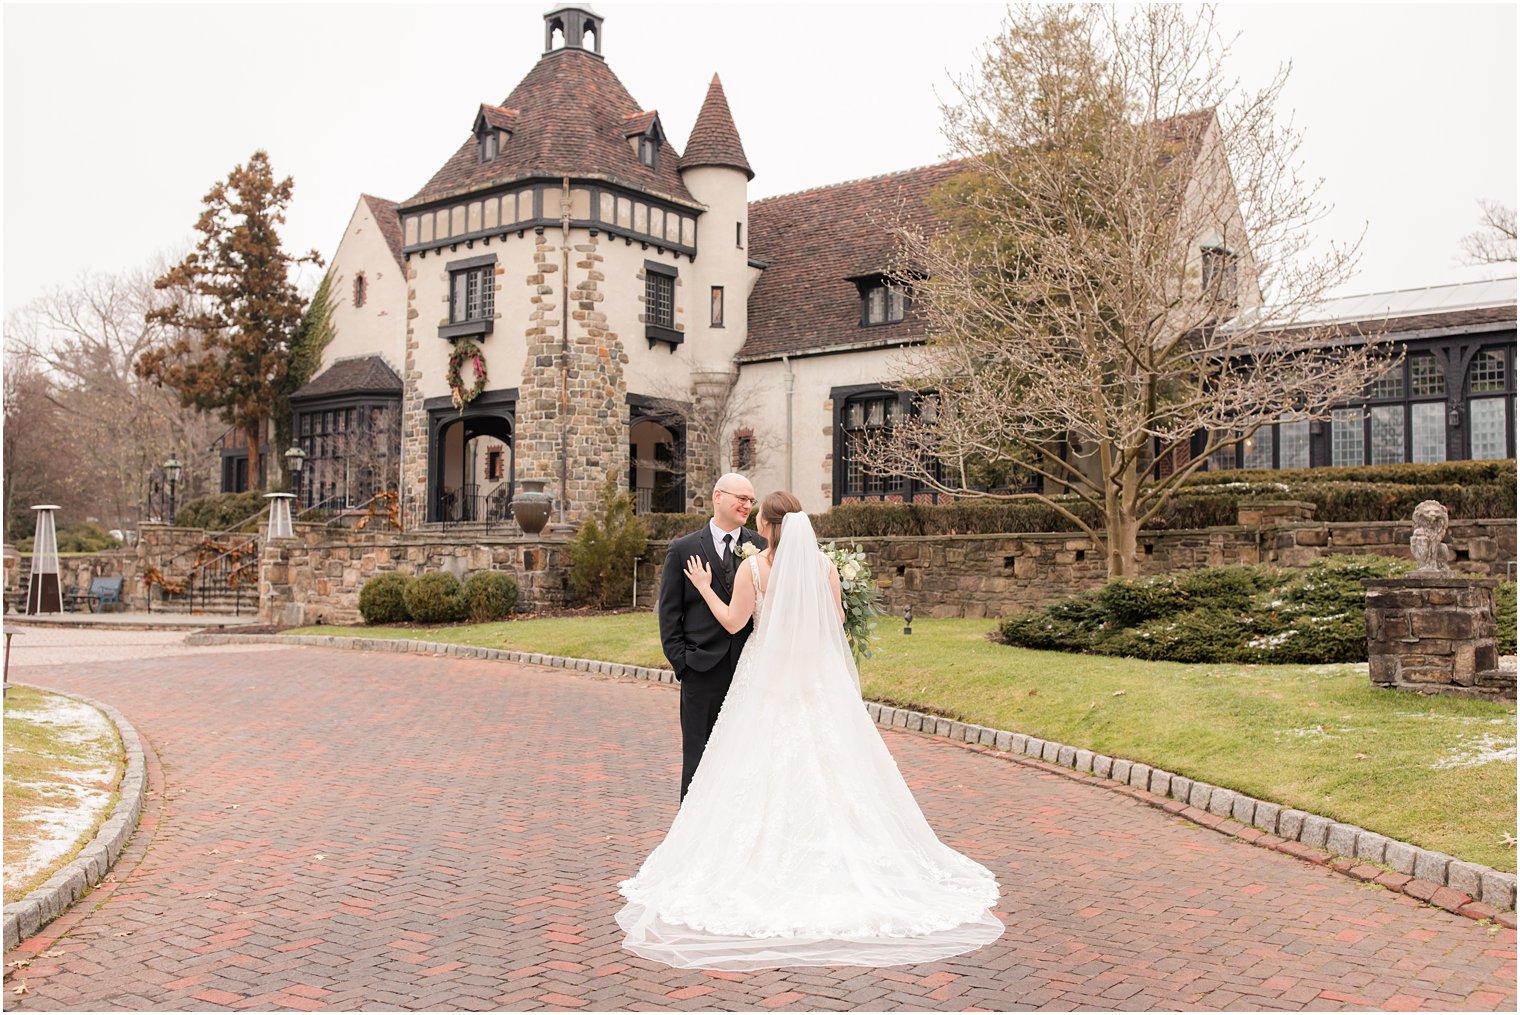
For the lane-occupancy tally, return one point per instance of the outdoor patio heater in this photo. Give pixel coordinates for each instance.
(42, 592)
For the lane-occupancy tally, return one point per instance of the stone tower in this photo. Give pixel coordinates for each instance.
(560, 245)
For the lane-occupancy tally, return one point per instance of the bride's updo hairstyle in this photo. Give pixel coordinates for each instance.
(776, 506)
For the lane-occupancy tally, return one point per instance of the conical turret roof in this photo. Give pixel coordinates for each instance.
(569, 116)
(715, 140)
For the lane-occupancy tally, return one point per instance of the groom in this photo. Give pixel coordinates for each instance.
(700, 650)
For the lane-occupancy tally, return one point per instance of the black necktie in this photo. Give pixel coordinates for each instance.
(728, 555)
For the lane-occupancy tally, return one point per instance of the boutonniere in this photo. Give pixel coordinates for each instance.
(747, 550)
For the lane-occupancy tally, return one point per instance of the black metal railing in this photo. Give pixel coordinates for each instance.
(467, 505)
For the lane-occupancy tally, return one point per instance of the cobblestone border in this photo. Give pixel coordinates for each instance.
(55, 895)
(1457, 886)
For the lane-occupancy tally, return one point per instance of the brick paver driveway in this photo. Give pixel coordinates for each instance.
(345, 830)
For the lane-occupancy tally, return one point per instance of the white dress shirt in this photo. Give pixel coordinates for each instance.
(718, 535)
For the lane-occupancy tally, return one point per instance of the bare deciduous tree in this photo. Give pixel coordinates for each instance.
(1493, 242)
(358, 463)
(1121, 200)
(109, 429)
(712, 412)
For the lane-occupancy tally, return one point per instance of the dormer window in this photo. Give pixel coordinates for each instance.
(1219, 269)
(882, 303)
(649, 151)
(490, 142)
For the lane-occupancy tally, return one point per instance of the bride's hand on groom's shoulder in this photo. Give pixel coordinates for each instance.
(698, 572)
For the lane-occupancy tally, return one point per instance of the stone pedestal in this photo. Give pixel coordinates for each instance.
(1435, 633)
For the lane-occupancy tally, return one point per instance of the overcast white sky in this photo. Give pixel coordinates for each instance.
(117, 118)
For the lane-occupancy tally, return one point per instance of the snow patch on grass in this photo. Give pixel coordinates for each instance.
(68, 804)
(1480, 750)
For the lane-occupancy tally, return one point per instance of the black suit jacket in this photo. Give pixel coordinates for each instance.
(694, 640)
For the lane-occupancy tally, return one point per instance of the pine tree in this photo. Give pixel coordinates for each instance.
(238, 308)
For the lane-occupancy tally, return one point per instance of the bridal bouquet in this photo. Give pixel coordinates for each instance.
(861, 595)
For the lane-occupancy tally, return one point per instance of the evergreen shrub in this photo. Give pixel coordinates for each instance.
(435, 598)
(383, 599)
(220, 512)
(1504, 617)
(603, 551)
(489, 595)
(1237, 614)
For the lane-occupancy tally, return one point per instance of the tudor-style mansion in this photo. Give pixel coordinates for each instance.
(598, 299)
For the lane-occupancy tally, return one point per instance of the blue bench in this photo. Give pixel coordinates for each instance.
(103, 591)
(107, 591)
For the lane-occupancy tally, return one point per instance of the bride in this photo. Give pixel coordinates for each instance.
(798, 843)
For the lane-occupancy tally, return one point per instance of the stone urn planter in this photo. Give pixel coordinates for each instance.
(530, 508)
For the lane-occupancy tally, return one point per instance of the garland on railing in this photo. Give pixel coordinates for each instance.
(464, 351)
(240, 561)
(153, 576)
(392, 502)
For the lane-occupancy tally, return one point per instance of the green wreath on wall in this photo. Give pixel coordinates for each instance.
(466, 351)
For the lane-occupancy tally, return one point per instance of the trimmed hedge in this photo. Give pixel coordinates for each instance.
(219, 512)
(1409, 473)
(383, 599)
(489, 595)
(1341, 494)
(435, 598)
(1238, 614)
(1504, 617)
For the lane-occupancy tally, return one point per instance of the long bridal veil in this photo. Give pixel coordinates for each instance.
(799, 844)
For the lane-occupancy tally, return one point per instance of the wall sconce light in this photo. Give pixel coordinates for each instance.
(1454, 415)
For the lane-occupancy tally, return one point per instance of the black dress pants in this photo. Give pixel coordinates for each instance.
(702, 697)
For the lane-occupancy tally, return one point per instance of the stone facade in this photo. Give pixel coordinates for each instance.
(316, 577)
(999, 575)
(1434, 633)
(940, 576)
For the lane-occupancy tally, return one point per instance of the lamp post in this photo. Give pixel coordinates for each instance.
(172, 468)
(295, 461)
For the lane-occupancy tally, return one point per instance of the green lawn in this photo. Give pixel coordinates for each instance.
(1429, 770)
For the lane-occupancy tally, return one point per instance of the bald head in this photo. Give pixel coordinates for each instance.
(733, 497)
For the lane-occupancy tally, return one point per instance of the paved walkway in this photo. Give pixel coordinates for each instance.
(159, 621)
(346, 830)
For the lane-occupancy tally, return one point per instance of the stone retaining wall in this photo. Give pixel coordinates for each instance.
(999, 575)
(316, 577)
(320, 573)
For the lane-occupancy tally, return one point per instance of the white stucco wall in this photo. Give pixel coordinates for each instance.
(378, 327)
(764, 386)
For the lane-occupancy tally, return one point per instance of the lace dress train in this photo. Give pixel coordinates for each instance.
(799, 843)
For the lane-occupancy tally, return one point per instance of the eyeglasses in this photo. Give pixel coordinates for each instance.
(742, 498)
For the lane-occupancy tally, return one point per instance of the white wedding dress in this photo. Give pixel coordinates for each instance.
(798, 843)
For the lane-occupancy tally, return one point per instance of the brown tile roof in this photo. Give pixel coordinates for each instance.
(813, 242)
(1470, 319)
(572, 117)
(495, 116)
(714, 139)
(352, 376)
(390, 224)
(639, 123)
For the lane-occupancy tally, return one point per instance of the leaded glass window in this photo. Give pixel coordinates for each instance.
(1427, 431)
(1258, 449)
(1426, 378)
(472, 294)
(1487, 427)
(1347, 443)
(1293, 434)
(1387, 434)
(1486, 373)
(660, 299)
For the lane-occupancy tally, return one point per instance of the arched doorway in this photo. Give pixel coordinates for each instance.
(471, 464)
(656, 463)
